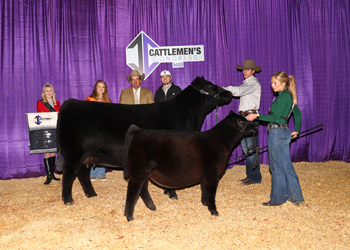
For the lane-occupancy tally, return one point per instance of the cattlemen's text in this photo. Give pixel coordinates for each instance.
(175, 51)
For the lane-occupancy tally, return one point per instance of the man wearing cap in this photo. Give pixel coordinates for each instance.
(167, 90)
(136, 94)
(249, 92)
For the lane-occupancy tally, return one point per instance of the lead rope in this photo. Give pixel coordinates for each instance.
(253, 150)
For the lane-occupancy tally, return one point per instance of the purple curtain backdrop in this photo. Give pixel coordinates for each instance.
(73, 43)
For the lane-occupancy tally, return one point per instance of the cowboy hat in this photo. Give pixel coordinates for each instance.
(135, 73)
(249, 64)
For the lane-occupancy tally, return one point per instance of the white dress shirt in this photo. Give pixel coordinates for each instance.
(249, 92)
(137, 92)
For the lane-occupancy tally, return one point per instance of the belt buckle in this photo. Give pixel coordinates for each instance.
(274, 125)
(252, 111)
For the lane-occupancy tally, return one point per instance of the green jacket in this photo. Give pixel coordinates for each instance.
(281, 108)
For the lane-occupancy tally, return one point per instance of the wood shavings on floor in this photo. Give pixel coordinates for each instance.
(33, 215)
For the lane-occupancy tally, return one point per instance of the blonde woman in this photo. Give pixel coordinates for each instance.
(48, 103)
(99, 94)
(285, 182)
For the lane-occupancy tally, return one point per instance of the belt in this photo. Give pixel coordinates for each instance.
(277, 125)
(252, 111)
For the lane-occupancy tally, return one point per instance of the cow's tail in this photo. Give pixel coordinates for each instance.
(126, 148)
(59, 162)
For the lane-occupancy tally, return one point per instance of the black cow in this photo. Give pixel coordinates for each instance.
(177, 159)
(93, 133)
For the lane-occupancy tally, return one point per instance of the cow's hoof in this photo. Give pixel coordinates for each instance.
(90, 195)
(130, 218)
(173, 197)
(69, 203)
(215, 213)
(151, 206)
(172, 194)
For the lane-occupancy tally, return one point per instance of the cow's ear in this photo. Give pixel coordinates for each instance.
(232, 121)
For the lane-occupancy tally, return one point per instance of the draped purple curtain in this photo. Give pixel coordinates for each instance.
(74, 43)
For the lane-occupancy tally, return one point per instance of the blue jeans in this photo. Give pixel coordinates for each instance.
(253, 175)
(285, 182)
(99, 171)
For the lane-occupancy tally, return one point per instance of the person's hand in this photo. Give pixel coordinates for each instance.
(295, 134)
(251, 117)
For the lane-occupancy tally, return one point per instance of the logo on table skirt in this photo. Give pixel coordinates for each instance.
(39, 119)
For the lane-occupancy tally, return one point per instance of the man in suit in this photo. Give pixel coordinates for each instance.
(136, 94)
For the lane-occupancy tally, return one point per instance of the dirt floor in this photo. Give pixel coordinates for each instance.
(33, 215)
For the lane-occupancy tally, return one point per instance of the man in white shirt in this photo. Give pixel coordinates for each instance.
(249, 92)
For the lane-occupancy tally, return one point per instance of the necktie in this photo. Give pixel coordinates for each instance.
(136, 99)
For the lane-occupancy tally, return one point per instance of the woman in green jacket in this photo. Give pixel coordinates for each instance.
(285, 182)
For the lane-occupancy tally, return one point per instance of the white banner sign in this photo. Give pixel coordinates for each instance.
(42, 132)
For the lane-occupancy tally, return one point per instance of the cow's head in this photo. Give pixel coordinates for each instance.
(241, 124)
(205, 87)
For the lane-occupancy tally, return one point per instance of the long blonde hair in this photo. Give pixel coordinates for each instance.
(105, 94)
(289, 81)
(44, 99)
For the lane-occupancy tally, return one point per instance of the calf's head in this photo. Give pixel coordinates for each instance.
(244, 126)
(205, 87)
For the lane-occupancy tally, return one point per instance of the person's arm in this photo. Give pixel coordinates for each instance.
(177, 89)
(242, 90)
(297, 119)
(122, 98)
(150, 97)
(57, 106)
(156, 96)
(279, 107)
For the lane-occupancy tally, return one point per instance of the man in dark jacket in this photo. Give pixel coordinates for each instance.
(168, 90)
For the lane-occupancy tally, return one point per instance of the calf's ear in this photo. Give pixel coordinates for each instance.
(232, 119)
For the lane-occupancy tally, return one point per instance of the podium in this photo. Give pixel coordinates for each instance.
(42, 132)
